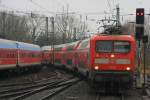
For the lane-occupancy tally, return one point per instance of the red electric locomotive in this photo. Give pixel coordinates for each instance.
(107, 57)
(100, 58)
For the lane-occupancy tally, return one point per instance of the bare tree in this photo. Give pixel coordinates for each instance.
(36, 24)
(13, 27)
(66, 25)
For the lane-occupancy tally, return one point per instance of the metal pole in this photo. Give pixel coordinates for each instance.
(118, 15)
(33, 34)
(47, 30)
(145, 40)
(144, 62)
(139, 58)
(4, 24)
(53, 39)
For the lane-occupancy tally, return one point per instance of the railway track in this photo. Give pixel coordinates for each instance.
(106, 93)
(14, 92)
(45, 87)
(148, 86)
(9, 84)
(111, 97)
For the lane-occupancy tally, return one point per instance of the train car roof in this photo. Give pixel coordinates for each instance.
(74, 44)
(83, 45)
(60, 45)
(7, 44)
(113, 37)
(46, 48)
(28, 46)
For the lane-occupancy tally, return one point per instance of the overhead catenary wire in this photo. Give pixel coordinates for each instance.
(41, 6)
(59, 13)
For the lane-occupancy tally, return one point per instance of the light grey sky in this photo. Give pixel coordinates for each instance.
(78, 6)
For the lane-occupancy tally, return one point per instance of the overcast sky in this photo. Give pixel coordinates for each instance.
(79, 6)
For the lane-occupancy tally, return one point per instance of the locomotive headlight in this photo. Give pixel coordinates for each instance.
(96, 67)
(112, 56)
(128, 68)
(101, 61)
(123, 61)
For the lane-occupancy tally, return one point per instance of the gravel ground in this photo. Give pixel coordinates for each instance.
(29, 76)
(79, 91)
(82, 91)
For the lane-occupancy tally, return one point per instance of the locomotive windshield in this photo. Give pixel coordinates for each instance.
(113, 46)
(104, 46)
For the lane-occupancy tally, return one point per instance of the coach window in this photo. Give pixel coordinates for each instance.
(14, 55)
(32, 55)
(58, 49)
(24, 54)
(8, 55)
(3, 55)
(21, 55)
(37, 55)
(84, 44)
(28, 55)
(69, 48)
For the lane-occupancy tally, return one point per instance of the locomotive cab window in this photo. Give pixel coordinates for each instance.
(113, 46)
(104, 46)
(121, 46)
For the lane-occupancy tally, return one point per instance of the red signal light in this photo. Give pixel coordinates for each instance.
(142, 14)
(137, 14)
(139, 20)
